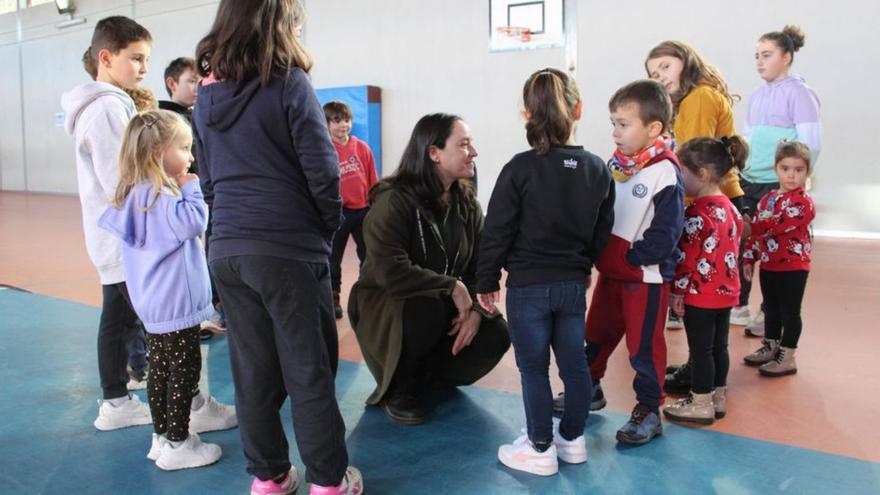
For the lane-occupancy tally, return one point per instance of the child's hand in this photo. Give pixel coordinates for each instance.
(184, 178)
(677, 303)
(747, 226)
(748, 271)
(487, 301)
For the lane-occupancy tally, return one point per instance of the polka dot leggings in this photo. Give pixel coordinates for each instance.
(175, 365)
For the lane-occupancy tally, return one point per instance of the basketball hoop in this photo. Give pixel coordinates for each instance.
(524, 34)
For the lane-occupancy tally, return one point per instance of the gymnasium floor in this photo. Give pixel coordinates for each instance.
(811, 433)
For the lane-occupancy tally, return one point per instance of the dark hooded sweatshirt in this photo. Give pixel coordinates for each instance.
(266, 156)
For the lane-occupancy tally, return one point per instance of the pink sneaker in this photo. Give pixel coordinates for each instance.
(288, 485)
(352, 484)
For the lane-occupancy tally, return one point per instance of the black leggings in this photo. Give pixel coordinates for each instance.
(783, 293)
(707, 331)
(175, 366)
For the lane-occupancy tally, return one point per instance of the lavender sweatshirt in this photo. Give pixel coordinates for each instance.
(164, 260)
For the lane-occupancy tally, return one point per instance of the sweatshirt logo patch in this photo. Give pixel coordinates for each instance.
(570, 163)
(640, 190)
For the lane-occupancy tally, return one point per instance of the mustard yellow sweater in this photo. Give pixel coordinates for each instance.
(705, 112)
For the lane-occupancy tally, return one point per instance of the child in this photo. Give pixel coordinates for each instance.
(782, 243)
(560, 197)
(631, 297)
(702, 108)
(706, 283)
(357, 174)
(158, 213)
(181, 82)
(266, 154)
(97, 113)
(144, 99)
(782, 108)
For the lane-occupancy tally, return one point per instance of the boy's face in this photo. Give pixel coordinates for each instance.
(126, 68)
(184, 91)
(630, 134)
(792, 173)
(340, 128)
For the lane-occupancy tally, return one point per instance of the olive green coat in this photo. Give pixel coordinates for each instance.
(405, 258)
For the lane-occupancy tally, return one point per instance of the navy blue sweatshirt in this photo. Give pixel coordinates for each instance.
(265, 154)
(549, 219)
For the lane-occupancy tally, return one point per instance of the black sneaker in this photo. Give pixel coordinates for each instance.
(598, 402)
(405, 408)
(643, 425)
(679, 382)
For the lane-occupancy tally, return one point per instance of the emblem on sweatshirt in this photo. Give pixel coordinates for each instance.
(640, 190)
(570, 163)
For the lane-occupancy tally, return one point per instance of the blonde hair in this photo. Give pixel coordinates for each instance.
(147, 136)
(695, 72)
(144, 99)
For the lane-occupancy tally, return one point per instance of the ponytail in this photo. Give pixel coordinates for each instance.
(550, 97)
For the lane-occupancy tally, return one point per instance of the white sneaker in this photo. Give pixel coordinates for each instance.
(131, 412)
(137, 384)
(213, 324)
(570, 451)
(191, 453)
(740, 315)
(156, 446)
(755, 327)
(522, 456)
(212, 416)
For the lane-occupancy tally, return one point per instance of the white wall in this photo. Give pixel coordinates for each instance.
(432, 56)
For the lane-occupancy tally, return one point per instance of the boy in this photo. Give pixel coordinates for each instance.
(97, 114)
(357, 174)
(182, 84)
(631, 296)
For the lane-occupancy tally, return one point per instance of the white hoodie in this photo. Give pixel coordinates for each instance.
(97, 114)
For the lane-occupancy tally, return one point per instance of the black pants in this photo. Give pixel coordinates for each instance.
(282, 342)
(215, 297)
(118, 328)
(175, 366)
(707, 332)
(426, 357)
(754, 193)
(352, 224)
(783, 294)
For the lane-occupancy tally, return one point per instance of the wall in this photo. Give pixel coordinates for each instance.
(432, 56)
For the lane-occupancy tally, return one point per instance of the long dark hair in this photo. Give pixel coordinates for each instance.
(417, 173)
(549, 97)
(253, 38)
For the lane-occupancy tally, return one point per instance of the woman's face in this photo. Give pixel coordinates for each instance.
(667, 71)
(772, 63)
(456, 159)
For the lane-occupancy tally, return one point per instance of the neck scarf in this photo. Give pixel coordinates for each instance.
(624, 166)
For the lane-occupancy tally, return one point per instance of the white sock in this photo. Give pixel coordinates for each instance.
(118, 401)
(198, 401)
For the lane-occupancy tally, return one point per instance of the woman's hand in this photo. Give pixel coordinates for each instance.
(487, 301)
(748, 271)
(465, 328)
(677, 303)
(462, 299)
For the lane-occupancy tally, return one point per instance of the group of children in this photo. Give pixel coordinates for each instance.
(556, 211)
(553, 216)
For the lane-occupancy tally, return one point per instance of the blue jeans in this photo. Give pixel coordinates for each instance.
(542, 316)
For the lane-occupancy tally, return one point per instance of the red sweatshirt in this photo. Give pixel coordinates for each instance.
(707, 274)
(781, 238)
(357, 172)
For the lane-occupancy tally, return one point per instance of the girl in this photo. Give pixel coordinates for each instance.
(158, 212)
(706, 284)
(782, 242)
(264, 151)
(560, 197)
(784, 107)
(702, 106)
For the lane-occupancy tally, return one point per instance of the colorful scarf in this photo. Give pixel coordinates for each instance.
(624, 166)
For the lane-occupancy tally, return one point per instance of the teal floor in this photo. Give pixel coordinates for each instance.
(49, 389)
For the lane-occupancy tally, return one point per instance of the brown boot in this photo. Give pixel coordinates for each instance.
(337, 307)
